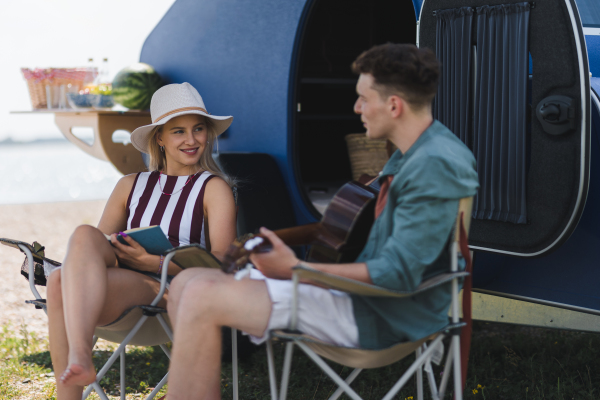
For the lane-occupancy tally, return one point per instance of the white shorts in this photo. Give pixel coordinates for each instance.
(322, 313)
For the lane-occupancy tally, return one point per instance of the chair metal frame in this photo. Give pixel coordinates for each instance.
(149, 311)
(424, 352)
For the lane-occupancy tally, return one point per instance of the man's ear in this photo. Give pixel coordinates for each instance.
(396, 106)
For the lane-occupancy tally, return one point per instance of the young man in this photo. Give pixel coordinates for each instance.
(421, 186)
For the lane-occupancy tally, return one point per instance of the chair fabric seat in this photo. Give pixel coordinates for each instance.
(357, 357)
(150, 334)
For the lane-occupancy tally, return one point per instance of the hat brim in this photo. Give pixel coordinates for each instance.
(140, 136)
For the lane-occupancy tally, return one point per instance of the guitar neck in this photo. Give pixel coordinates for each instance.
(300, 235)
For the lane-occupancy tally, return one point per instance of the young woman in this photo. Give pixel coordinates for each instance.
(185, 193)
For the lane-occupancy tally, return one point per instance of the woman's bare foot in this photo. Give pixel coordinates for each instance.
(78, 375)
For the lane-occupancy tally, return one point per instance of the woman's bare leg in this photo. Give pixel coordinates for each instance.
(92, 293)
(84, 284)
(59, 346)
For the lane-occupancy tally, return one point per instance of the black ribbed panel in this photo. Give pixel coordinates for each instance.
(453, 104)
(499, 136)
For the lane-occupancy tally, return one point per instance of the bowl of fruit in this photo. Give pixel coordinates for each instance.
(80, 100)
(104, 99)
(92, 96)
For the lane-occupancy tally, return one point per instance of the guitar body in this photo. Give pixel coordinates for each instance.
(338, 238)
(345, 226)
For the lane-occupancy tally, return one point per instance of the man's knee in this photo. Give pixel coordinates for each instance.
(179, 285)
(201, 295)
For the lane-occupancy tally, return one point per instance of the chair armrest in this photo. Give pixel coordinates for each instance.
(364, 289)
(15, 244)
(193, 255)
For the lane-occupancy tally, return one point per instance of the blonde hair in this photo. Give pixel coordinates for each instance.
(158, 160)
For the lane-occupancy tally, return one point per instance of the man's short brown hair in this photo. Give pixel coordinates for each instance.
(401, 69)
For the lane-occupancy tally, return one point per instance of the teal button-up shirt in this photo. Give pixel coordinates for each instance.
(409, 241)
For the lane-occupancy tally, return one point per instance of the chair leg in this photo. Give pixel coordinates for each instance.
(165, 350)
(446, 373)
(100, 374)
(123, 384)
(327, 369)
(287, 365)
(158, 387)
(348, 380)
(165, 326)
(96, 386)
(271, 363)
(234, 363)
(457, 367)
(418, 352)
(431, 380)
(412, 369)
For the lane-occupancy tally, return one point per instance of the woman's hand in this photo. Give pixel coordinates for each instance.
(134, 255)
(277, 263)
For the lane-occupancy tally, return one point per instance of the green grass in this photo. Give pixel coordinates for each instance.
(507, 362)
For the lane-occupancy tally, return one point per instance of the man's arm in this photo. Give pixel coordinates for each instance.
(278, 263)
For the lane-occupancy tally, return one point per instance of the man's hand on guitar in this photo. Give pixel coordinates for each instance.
(278, 262)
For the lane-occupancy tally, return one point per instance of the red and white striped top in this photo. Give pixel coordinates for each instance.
(181, 215)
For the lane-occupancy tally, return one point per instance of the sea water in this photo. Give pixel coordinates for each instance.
(52, 171)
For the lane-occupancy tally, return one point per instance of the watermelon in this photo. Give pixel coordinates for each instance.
(134, 86)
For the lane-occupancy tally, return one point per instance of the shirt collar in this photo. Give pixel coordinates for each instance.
(398, 159)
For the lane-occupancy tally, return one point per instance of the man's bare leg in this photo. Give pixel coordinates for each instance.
(201, 302)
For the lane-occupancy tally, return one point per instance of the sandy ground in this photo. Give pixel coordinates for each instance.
(50, 224)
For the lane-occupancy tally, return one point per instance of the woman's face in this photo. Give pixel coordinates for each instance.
(184, 138)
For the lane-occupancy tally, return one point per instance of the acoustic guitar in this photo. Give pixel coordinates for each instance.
(339, 237)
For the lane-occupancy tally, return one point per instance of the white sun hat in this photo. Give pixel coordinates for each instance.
(171, 101)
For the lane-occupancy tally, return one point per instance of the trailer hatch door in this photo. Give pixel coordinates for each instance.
(515, 88)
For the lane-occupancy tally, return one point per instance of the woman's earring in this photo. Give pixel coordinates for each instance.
(162, 148)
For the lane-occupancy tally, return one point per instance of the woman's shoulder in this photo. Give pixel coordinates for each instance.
(217, 190)
(217, 184)
(126, 183)
(129, 180)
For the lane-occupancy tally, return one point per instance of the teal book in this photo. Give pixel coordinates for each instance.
(152, 238)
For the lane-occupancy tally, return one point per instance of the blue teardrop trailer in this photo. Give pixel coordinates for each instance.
(516, 87)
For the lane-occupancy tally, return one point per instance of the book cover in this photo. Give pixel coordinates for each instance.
(151, 238)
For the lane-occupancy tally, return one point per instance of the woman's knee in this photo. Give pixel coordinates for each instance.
(54, 287)
(84, 233)
(89, 242)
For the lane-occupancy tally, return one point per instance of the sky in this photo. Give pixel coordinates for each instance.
(64, 33)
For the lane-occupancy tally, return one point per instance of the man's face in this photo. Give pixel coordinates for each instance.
(374, 110)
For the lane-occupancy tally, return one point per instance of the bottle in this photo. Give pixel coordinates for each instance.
(103, 80)
(89, 85)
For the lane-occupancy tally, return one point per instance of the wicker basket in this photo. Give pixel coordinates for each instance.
(366, 156)
(38, 78)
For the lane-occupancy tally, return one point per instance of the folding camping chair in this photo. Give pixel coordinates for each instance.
(142, 325)
(363, 358)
